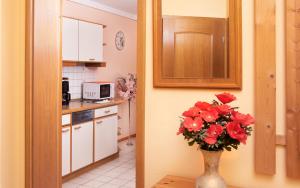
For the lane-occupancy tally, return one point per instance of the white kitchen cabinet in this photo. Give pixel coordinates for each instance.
(70, 40)
(82, 145)
(66, 150)
(106, 140)
(90, 42)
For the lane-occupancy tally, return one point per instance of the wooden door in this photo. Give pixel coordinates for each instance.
(69, 39)
(106, 137)
(194, 47)
(66, 151)
(90, 42)
(82, 145)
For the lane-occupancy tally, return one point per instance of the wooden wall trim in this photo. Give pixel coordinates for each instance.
(265, 87)
(140, 100)
(293, 88)
(28, 93)
(43, 94)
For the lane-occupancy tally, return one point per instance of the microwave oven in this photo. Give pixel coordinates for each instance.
(98, 90)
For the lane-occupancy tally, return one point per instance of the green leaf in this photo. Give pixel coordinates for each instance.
(235, 146)
(192, 143)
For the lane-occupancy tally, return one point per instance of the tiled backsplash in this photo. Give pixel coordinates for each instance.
(77, 75)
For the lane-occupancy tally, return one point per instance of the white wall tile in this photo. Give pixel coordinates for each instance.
(77, 75)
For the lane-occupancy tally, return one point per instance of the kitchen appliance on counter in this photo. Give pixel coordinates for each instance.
(98, 90)
(66, 96)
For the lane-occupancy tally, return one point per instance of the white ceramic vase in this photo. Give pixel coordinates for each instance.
(211, 178)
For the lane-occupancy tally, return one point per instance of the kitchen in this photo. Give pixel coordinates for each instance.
(98, 120)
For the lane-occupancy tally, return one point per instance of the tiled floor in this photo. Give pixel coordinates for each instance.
(117, 173)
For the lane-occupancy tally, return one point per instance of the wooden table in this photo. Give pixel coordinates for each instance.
(177, 182)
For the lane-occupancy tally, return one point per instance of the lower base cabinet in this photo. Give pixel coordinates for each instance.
(82, 145)
(66, 150)
(106, 133)
(86, 143)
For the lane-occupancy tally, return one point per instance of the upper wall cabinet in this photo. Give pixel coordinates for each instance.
(70, 39)
(82, 41)
(90, 42)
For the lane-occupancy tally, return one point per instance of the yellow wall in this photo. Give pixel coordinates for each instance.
(12, 133)
(203, 8)
(167, 153)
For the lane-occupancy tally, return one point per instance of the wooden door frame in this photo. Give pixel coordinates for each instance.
(39, 160)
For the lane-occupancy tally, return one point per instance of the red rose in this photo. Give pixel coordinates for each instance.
(193, 125)
(203, 105)
(223, 109)
(181, 130)
(212, 133)
(210, 116)
(226, 97)
(235, 131)
(192, 112)
(242, 118)
(249, 120)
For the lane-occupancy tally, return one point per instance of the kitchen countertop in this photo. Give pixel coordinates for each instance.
(77, 105)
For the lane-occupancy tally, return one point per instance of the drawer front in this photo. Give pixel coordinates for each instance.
(106, 111)
(66, 119)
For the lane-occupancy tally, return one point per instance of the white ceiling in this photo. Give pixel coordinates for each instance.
(129, 6)
(126, 8)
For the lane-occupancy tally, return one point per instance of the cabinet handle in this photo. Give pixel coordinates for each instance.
(65, 131)
(77, 128)
(92, 59)
(99, 122)
(107, 111)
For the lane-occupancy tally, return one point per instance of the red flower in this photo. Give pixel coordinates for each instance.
(193, 125)
(226, 97)
(235, 131)
(203, 105)
(181, 130)
(192, 112)
(212, 133)
(223, 109)
(242, 118)
(210, 116)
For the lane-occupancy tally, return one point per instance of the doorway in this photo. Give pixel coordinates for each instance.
(43, 94)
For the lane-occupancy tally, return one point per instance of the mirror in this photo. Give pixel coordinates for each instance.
(197, 44)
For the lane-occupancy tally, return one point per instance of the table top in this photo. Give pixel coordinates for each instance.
(177, 182)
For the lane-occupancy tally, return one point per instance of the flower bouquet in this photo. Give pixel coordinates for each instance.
(126, 87)
(214, 127)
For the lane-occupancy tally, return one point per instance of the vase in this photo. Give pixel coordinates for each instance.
(211, 178)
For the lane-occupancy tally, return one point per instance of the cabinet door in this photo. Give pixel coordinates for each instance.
(82, 145)
(70, 39)
(66, 151)
(106, 138)
(90, 42)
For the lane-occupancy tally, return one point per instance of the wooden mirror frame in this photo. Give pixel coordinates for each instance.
(235, 55)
